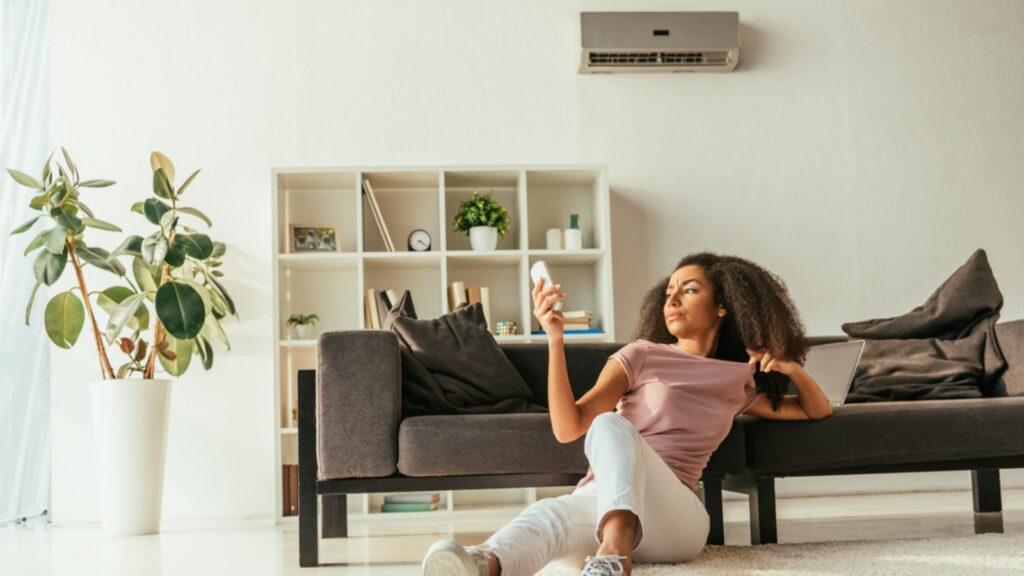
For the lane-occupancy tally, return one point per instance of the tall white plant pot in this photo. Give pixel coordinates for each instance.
(130, 430)
(483, 238)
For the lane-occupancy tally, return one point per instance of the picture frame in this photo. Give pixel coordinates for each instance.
(303, 238)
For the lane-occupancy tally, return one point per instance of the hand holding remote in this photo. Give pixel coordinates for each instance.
(547, 302)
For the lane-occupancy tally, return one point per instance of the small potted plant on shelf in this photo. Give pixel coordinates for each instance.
(483, 219)
(302, 325)
(171, 288)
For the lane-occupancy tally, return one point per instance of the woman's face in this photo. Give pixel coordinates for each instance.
(690, 307)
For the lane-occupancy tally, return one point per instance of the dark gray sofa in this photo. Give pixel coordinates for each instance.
(359, 443)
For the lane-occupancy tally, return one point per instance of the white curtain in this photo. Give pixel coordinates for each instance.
(24, 359)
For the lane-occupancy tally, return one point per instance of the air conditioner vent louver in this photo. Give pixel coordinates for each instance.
(659, 41)
(658, 58)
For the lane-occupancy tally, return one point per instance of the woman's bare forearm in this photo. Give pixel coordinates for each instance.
(565, 415)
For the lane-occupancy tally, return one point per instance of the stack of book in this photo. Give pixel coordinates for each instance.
(576, 322)
(411, 502)
(459, 295)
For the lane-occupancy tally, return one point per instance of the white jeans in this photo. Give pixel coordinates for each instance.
(628, 475)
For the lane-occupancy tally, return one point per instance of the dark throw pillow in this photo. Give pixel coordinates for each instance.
(453, 365)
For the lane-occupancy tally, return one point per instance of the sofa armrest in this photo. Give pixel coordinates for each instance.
(358, 403)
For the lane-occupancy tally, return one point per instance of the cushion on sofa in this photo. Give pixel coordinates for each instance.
(1011, 342)
(887, 433)
(452, 365)
(512, 443)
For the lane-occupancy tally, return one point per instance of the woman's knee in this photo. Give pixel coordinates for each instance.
(607, 422)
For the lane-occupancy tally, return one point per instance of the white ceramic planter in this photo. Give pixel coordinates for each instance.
(483, 237)
(130, 431)
(303, 331)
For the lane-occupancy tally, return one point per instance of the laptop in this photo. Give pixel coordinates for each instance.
(832, 366)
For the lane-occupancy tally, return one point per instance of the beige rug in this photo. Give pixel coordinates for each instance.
(981, 555)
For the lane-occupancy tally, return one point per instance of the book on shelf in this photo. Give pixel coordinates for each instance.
(290, 490)
(413, 498)
(372, 311)
(457, 295)
(482, 295)
(408, 507)
(378, 217)
(574, 314)
(572, 331)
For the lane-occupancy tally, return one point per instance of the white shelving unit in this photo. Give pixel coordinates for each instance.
(333, 284)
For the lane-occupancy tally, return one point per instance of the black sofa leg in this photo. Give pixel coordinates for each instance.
(988, 504)
(762, 511)
(713, 504)
(309, 538)
(760, 491)
(335, 516)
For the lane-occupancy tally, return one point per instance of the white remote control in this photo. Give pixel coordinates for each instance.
(540, 270)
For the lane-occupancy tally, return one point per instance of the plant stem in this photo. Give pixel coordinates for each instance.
(108, 372)
(158, 328)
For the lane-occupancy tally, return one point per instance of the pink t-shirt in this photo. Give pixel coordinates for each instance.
(682, 404)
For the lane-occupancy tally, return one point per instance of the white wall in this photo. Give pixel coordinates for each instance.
(862, 150)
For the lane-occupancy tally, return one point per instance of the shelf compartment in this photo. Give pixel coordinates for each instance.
(329, 292)
(319, 199)
(553, 195)
(459, 186)
(407, 201)
(581, 283)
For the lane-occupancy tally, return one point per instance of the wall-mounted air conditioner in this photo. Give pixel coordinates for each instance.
(659, 41)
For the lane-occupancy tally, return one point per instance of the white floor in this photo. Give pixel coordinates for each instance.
(259, 547)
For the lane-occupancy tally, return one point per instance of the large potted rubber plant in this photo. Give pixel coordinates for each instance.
(164, 306)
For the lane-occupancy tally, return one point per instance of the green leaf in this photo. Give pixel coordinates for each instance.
(203, 292)
(139, 207)
(160, 162)
(48, 267)
(212, 329)
(175, 255)
(39, 202)
(196, 213)
(100, 258)
(198, 246)
(71, 165)
(25, 226)
(154, 249)
(205, 351)
(31, 299)
(218, 250)
(100, 224)
(224, 294)
(65, 218)
(180, 309)
(97, 183)
(46, 167)
(122, 314)
(55, 240)
(25, 179)
(111, 297)
(185, 185)
(145, 276)
(65, 317)
(182, 350)
(36, 242)
(86, 209)
(154, 209)
(161, 185)
(132, 246)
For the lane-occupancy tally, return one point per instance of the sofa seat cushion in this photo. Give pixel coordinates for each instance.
(883, 433)
(455, 445)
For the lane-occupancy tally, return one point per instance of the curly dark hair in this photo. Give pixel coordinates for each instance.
(759, 315)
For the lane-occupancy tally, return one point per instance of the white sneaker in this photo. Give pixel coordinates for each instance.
(449, 558)
(608, 565)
